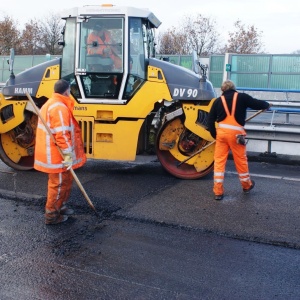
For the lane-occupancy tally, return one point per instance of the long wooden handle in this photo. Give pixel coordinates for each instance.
(211, 143)
(254, 115)
(61, 153)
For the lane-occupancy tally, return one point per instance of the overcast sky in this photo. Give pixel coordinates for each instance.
(278, 20)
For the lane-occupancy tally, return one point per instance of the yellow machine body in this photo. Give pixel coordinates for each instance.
(143, 104)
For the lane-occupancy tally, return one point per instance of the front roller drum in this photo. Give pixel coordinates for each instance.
(175, 143)
(17, 145)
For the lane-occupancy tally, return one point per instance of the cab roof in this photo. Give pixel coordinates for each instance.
(111, 10)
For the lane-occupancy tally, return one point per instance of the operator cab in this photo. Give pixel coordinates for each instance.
(105, 52)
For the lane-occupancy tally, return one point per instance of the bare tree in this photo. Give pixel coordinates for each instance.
(202, 35)
(50, 31)
(196, 33)
(173, 42)
(244, 40)
(31, 39)
(9, 36)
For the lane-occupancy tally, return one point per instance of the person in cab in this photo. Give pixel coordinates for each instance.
(100, 42)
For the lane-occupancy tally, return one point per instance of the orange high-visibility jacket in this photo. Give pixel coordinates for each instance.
(101, 46)
(58, 114)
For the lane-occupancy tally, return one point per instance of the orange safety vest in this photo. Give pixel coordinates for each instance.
(58, 114)
(230, 122)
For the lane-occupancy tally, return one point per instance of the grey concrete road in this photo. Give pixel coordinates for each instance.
(158, 237)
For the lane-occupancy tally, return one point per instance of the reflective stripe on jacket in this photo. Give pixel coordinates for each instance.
(57, 113)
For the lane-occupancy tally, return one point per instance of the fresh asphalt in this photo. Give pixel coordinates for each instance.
(157, 237)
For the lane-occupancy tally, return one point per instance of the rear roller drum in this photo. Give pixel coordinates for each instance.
(175, 143)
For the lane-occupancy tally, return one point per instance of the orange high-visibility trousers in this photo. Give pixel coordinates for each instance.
(225, 141)
(59, 189)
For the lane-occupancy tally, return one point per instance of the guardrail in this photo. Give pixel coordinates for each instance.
(280, 124)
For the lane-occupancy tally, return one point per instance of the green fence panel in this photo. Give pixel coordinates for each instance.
(286, 64)
(186, 61)
(217, 63)
(216, 79)
(4, 64)
(253, 71)
(250, 80)
(21, 63)
(289, 82)
(250, 63)
(4, 75)
(174, 59)
(265, 71)
(39, 59)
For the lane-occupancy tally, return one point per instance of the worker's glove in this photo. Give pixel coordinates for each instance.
(67, 162)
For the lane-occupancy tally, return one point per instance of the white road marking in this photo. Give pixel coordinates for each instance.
(268, 176)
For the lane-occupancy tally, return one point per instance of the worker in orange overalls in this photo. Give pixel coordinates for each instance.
(229, 111)
(100, 42)
(57, 112)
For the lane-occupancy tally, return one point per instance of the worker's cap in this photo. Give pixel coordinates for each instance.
(61, 86)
